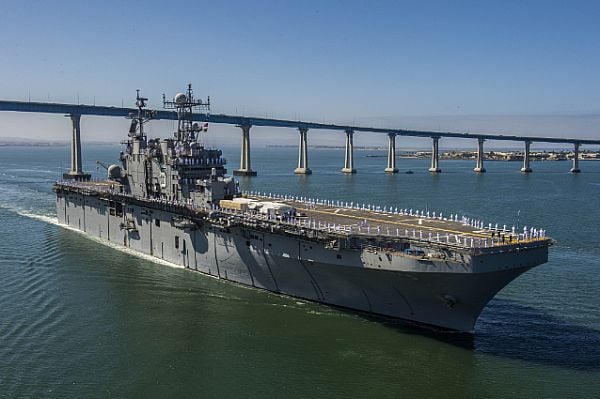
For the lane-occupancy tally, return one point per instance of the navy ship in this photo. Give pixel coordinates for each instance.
(171, 199)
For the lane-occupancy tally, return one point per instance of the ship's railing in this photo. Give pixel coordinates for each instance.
(499, 239)
(413, 236)
(496, 236)
(192, 161)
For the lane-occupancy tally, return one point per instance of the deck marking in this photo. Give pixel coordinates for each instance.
(421, 226)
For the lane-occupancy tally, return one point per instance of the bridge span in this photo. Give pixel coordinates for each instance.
(75, 111)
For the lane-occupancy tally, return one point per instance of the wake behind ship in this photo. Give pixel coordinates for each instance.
(171, 199)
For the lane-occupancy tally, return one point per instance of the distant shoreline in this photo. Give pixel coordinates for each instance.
(327, 147)
(505, 155)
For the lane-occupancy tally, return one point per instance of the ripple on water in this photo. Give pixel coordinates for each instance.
(77, 318)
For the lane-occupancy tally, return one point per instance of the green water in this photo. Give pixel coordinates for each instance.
(80, 319)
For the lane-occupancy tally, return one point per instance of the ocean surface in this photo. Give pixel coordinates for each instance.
(81, 319)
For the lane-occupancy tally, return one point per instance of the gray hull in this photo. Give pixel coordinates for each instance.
(448, 294)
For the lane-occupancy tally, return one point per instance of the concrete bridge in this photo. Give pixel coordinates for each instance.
(75, 111)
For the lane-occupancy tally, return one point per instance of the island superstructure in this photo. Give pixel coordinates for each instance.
(172, 199)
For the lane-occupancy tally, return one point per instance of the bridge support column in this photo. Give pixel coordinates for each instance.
(302, 168)
(391, 155)
(575, 168)
(435, 156)
(245, 166)
(76, 172)
(349, 155)
(479, 167)
(526, 168)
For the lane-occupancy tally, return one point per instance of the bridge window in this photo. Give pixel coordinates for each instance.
(176, 242)
(157, 222)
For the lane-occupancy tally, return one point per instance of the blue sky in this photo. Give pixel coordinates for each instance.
(527, 67)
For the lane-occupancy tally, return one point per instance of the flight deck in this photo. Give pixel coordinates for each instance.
(429, 226)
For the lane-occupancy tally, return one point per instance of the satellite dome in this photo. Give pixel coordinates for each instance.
(180, 98)
(114, 172)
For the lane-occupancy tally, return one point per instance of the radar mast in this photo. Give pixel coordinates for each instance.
(184, 104)
(136, 129)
